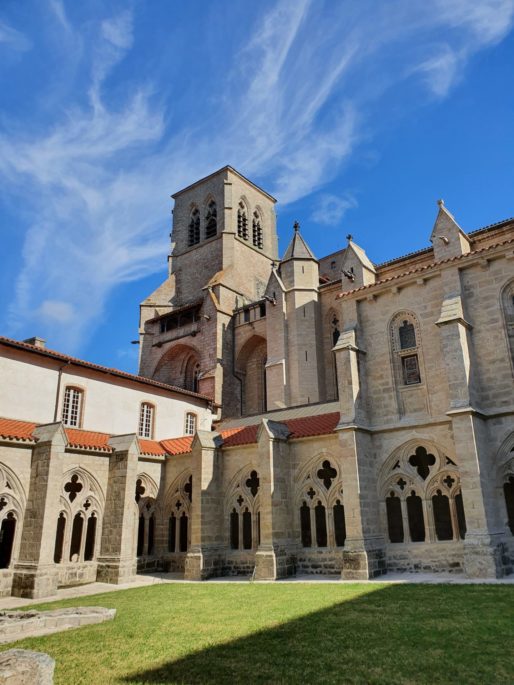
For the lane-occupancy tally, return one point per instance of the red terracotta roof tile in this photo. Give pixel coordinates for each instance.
(313, 425)
(151, 447)
(11, 429)
(176, 446)
(88, 439)
(304, 427)
(245, 435)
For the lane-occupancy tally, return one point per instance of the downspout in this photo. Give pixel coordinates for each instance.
(58, 391)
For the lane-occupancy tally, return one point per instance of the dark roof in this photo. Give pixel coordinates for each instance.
(52, 354)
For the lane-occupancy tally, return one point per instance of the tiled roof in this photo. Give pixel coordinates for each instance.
(426, 267)
(11, 429)
(303, 427)
(88, 439)
(96, 367)
(151, 447)
(176, 446)
(313, 425)
(245, 435)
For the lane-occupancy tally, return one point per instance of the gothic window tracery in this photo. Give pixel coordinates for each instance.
(79, 518)
(211, 220)
(145, 495)
(242, 507)
(421, 494)
(319, 499)
(178, 508)
(406, 349)
(242, 221)
(507, 301)
(194, 228)
(257, 237)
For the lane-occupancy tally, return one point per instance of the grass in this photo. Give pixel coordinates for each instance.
(290, 633)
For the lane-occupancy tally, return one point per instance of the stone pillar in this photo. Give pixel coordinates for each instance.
(117, 562)
(482, 545)
(205, 556)
(35, 574)
(273, 558)
(363, 553)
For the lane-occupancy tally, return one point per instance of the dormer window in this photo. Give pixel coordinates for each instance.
(194, 228)
(211, 220)
(72, 406)
(146, 420)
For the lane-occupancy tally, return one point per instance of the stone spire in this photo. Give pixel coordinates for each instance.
(298, 248)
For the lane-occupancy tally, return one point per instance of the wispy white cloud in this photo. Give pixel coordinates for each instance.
(13, 39)
(330, 209)
(296, 106)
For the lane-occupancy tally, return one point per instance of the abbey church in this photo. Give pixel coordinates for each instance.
(291, 414)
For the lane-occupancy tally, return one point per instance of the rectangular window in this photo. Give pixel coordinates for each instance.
(72, 407)
(262, 310)
(246, 315)
(190, 423)
(410, 368)
(146, 420)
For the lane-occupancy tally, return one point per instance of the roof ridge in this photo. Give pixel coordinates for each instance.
(98, 367)
(425, 267)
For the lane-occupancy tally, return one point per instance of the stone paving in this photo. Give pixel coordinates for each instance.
(142, 580)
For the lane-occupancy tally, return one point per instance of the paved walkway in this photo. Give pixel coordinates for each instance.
(146, 579)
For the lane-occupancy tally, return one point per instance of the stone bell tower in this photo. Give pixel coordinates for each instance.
(223, 242)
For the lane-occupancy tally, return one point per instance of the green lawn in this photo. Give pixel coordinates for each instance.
(291, 633)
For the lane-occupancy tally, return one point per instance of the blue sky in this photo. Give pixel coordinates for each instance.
(356, 115)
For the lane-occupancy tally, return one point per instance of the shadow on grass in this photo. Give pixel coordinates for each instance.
(398, 633)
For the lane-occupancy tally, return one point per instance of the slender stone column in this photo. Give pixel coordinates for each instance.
(363, 554)
(35, 574)
(205, 557)
(274, 557)
(117, 562)
(482, 545)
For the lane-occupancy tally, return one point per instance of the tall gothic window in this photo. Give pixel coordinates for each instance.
(194, 228)
(321, 492)
(83, 515)
(242, 510)
(146, 420)
(422, 496)
(406, 350)
(7, 535)
(508, 315)
(179, 507)
(72, 406)
(257, 230)
(211, 220)
(242, 221)
(508, 492)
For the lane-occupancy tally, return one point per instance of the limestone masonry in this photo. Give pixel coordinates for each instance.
(290, 415)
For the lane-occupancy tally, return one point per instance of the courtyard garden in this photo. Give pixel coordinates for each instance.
(290, 633)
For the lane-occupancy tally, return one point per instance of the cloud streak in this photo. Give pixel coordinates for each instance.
(295, 108)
